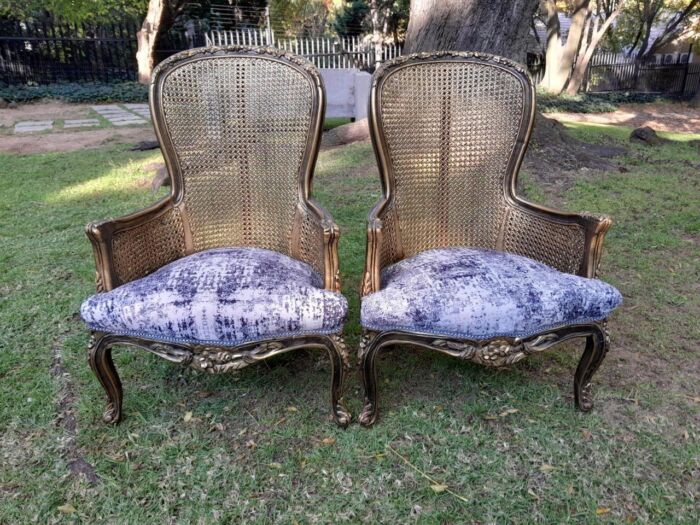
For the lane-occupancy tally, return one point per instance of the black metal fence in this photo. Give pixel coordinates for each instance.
(44, 52)
(680, 79)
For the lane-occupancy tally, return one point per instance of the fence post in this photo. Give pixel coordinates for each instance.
(685, 71)
(268, 29)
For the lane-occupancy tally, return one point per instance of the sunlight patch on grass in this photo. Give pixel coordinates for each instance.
(115, 179)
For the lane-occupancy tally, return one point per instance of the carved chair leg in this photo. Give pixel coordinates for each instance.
(100, 359)
(369, 348)
(340, 364)
(596, 348)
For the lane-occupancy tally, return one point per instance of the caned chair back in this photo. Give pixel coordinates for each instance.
(240, 129)
(449, 130)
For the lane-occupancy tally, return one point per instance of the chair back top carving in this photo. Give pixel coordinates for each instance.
(240, 130)
(449, 130)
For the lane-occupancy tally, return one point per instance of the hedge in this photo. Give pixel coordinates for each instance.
(72, 92)
(590, 102)
(135, 92)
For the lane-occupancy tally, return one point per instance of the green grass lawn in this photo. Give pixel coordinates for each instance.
(259, 446)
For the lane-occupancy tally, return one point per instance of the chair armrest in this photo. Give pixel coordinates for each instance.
(383, 245)
(135, 245)
(318, 243)
(569, 242)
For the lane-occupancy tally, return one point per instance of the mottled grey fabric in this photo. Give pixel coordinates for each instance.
(479, 294)
(225, 297)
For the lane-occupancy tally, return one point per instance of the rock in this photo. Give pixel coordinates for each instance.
(345, 134)
(646, 135)
(3, 103)
(145, 145)
(12, 105)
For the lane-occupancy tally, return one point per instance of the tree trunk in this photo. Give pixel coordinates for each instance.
(377, 39)
(560, 58)
(587, 51)
(147, 38)
(500, 28)
(553, 48)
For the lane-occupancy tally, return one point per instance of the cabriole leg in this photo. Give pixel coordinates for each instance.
(369, 348)
(100, 359)
(340, 365)
(596, 347)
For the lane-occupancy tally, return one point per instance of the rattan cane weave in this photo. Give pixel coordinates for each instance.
(239, 148)
(450, 158)
(146, 247)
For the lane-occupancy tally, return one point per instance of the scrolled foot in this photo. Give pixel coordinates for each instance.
(369, 414)
(585, 398)
(112, 414)
(369, 348)
(341, 415)
(340, 360)
(597, 345)
(100, 360)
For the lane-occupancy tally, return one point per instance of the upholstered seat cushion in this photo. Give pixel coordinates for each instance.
(479, 294)
(224, 297)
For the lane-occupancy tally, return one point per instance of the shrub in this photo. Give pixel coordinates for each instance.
(73, 92)
(590, 102)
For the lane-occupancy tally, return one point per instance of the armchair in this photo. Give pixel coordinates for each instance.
(457, 262)
(238, 263)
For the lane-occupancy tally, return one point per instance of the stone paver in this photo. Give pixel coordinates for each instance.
(117, 115)
(29, 126)
(81, 123)
(140, 109)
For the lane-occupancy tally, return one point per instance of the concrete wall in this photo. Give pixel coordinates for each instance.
(347, 92)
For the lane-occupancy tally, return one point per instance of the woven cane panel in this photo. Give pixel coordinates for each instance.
(311, 242)
(139, 251)
(239, 126)
(556, 244)
(390, 241)
(450, 129)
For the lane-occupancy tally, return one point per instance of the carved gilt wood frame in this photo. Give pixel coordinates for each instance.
(209, 358)
(495, 352)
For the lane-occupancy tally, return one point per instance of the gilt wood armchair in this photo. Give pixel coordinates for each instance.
(456, 261)
(238, 263)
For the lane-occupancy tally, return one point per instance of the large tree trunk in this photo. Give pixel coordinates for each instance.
(560, 58)
(587, 50)
(500, 28)
(554, 47)
(377, 39)
(147, 38)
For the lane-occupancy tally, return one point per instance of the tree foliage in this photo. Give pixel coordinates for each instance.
(73, 10)
(355, 18)
(645, 26)
(351, 20)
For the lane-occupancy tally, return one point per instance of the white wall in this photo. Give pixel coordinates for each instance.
(347, 92)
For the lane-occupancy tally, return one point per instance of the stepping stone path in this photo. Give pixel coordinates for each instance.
(29, 126)
(81, 123)
(118, 116)
(139, 109)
